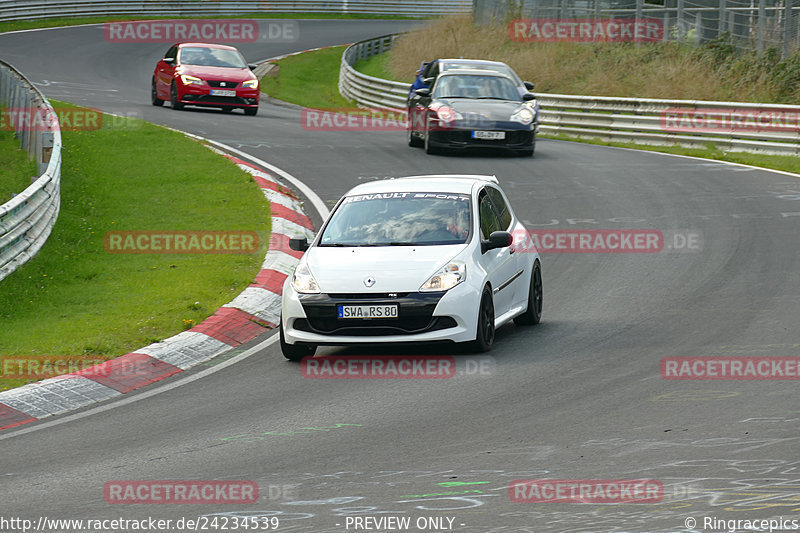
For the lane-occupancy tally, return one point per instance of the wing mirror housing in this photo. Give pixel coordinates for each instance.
(423, 91)
(498, 239)
(299, 244)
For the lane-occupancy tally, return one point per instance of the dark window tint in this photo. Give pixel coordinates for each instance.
(489, 222)
(503, 211)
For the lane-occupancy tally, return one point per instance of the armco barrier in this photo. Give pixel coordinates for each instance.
(730, 126)
(40, 9)
(27, 219)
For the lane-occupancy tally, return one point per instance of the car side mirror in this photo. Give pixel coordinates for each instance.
(299, 244)
(252, 66)
(169, 60)
(528, 97)
(428, 81)
(498, 239)
(528, 85)
(423, 91)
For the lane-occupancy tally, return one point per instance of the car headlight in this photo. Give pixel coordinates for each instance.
(250, 84)
(303, 281)
(448, 277)
(523, 116)
(447, 114)
(190, 80)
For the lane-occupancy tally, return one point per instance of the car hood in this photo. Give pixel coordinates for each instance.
(394, 268)
(217, 73)
(491, 109)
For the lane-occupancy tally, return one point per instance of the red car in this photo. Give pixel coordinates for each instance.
(208, 75)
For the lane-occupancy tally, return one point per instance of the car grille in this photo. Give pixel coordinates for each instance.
(218, 84)
(415, 312)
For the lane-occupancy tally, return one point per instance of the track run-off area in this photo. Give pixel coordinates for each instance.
(578, 397)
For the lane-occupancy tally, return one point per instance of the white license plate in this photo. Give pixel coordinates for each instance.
(488, 135)
(368, 311)
(222, 92)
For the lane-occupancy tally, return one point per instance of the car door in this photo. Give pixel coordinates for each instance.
(165, 71)
(499, 264)
(518, 288)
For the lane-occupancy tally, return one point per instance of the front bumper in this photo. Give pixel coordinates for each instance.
(423, 317)
(201, 96)
(516, 139)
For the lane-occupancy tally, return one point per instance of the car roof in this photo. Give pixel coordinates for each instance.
(473, 61)
(467, 72)
(207, 45)
(448, 183)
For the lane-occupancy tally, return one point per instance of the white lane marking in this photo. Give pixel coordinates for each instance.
(130, 399)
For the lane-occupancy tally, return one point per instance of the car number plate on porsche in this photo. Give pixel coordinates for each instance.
(368, 311)
(222, 92)
(489, 135)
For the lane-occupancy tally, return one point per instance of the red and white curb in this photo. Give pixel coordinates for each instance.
(256, 309)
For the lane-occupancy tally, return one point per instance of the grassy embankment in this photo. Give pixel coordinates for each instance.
(75, 300)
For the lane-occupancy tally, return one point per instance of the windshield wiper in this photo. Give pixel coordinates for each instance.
(490, 98)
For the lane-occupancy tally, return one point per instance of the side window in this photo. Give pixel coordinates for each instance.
(503, 212)
(173, 50)
(488, 219)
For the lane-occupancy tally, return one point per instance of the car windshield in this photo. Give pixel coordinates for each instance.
(211, 57)
(399, 219)
(502, 69)
(475, 86)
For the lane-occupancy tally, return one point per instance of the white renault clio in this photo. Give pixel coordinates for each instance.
(415, 259)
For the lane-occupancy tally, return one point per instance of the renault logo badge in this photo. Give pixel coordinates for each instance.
(369, 282)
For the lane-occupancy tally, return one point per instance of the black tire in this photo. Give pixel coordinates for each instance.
(533, 314)
(484, 336)
(429, 148)
(295, 352)
(173, 97)
(250, 111)
(413, 140)
(154, 99)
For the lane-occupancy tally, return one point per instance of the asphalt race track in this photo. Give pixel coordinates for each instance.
(578, 397)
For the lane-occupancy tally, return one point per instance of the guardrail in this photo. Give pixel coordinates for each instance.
(730, 126)
(41, 9)
(27, 219)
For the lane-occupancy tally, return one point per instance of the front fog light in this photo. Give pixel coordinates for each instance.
(303, 281)
(448, 277)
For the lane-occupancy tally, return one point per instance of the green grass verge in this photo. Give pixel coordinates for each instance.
(76, 299)
(309, 79)
(378, 66)
(17, 25)
(16, 169)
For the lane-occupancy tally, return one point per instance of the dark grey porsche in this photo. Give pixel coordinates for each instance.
(472, 109)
